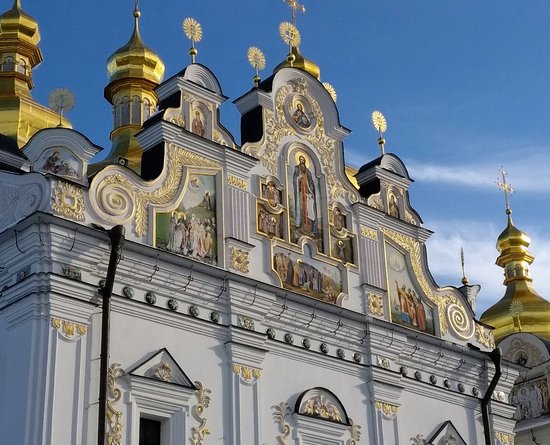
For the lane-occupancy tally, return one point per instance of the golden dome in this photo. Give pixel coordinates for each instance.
(521, 309)
(301, 63)
(15, 23)
(135, 60)
(19, 34)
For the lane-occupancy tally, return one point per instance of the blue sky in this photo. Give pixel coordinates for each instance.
(463, 87)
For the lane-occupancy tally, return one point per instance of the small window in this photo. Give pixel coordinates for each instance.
(149, 431)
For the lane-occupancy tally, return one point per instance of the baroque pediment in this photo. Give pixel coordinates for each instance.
(161, 366)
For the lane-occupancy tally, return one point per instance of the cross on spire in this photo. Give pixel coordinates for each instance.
(295, 6)
(506, 188)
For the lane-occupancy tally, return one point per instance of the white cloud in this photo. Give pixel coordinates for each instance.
(527, 172)
(479, 240)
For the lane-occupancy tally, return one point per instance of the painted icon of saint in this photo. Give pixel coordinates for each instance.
(305, 198)
(197, 125)
(300, 117)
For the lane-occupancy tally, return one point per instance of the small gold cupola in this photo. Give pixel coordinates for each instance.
(19, 38)
(20, 115)
(291, 36)
(521, 309)
(134, 71)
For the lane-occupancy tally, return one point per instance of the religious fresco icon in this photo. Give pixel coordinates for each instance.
(197, 125)
(307, 276)
(268, 223)
(304, 199)
(60, 162)
(342, 249)
(271, 194)
(190, 230)
(299, 115)
(407, 306)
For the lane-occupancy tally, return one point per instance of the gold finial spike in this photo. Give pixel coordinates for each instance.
(291, 36)
(137, 14)
(295, 7)
(506, 188)
(465, 280)
(257, 60)
(379, 122)
(193, 31)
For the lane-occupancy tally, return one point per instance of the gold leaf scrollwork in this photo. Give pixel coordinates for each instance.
(281, 412)
(240, 259)
(458, 314)
(367, 232)
(234, 181)
(68, 201)
(246, 373)
(199, 433)
(321, 408)
(355, 433)
(485, 336)
(504, 438)
(376, 305)
(277, 128)
(114, 416)
(69, 329)
(462, 324)
(119, 198)
(387, 409)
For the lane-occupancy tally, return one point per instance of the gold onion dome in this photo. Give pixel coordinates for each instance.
(135, 59)
(300, 62)
(20, 29)
(15, 23)
(521, 309)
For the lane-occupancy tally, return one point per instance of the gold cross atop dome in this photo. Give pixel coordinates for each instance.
(506, 188)
(295, 7)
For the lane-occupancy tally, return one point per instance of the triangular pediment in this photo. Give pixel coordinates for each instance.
(446, 434)
(161, 366)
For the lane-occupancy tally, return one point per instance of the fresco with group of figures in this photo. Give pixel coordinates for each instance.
(190, 230)
(407, 306)
(306, 275)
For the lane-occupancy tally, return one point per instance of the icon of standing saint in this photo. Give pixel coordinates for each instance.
(300, 117)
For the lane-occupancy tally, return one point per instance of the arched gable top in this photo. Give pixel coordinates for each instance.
(68, 137)
(323, 404)
(301, 83)
(202, 76)
(392, 163)
(525, 349)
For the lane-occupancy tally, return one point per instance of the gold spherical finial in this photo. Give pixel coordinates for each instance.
(193, 31)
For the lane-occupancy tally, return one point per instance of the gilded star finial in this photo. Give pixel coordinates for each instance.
(291, 36)
(465, 280)
(193, 31)
(61, 100)
(295, 7)
(257, 60)
(379, 122)
(506, 188)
